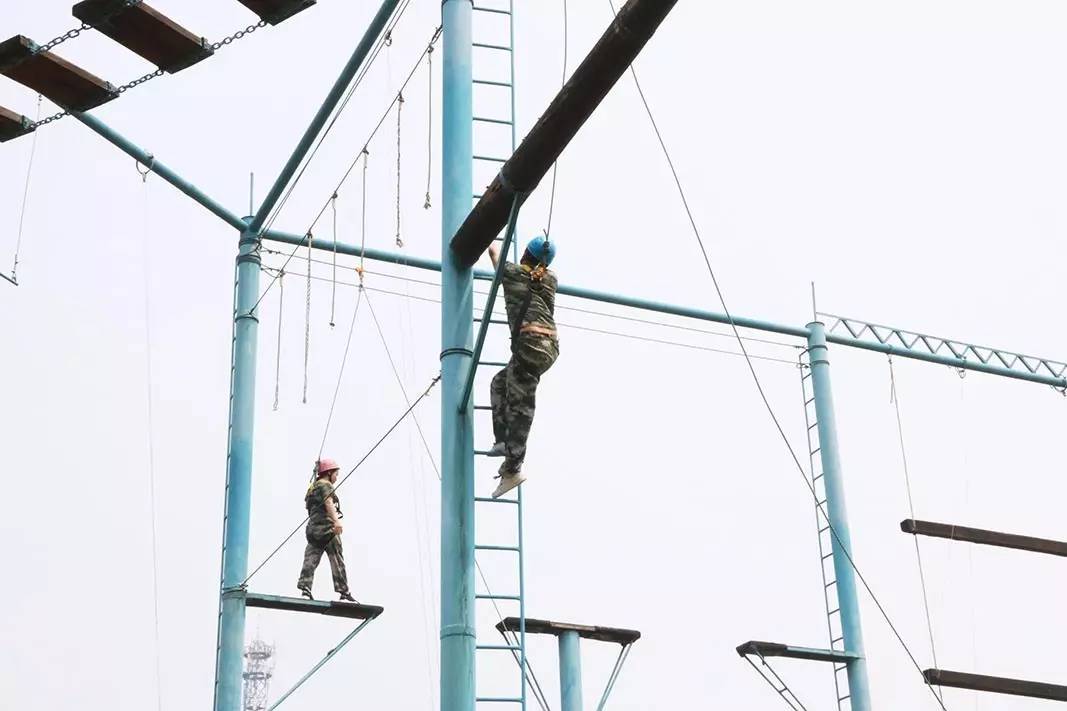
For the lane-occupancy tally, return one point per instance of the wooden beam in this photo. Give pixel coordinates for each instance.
(983, 537)
(68, 85)
(275, 11)
(776, 649)
(995, 684)
(632, 28)
(13, 125)
(330, 608)
(600, 634)
(145, 31)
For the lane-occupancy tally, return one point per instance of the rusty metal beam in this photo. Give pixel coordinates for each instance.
(146, 32)
(632, 28)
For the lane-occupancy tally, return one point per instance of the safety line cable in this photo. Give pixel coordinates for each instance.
(341, 372)
(375, 52)
(348, 172)
(25, 197)
(759, 384)
(333, 291)
(364, 458)
(150, 426)
(562, 83)
(894, 398)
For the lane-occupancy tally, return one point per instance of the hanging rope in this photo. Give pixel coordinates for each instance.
(429, 128)
(894, 398)
(364, 458)
(307, 321)
(278, 357)
(333, 292)
(399, 116)
(25, 198)
(363, 215)
(341, 370)
(562, 83)
(146, 256)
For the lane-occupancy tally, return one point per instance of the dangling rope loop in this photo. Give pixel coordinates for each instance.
(147, 168)
(363, 216)
(429, 129)
(25, 198)
(399, 117)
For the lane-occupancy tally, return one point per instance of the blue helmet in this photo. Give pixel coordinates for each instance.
(541, 249)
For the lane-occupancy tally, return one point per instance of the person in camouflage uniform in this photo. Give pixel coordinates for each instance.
(323, 531)
(530, 300)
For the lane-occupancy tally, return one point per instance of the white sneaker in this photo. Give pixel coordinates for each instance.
(507, 483)
(497, 450)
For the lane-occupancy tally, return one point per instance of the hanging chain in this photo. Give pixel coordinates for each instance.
(429, 130)
(140, 80)
(239, 34)
(69, 35)
(399, 117)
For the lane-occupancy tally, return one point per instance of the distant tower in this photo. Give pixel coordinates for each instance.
(259, 668)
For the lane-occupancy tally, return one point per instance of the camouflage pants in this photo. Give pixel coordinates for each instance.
(513, 394)
(313, 555)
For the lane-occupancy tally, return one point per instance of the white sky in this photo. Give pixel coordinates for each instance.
(907, 157)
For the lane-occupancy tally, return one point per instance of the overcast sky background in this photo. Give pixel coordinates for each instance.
(907, 157)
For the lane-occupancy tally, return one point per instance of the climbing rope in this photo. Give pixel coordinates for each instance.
(399, 116)
(25, 198)
(146, 257)
(363, 213)
(362, 460)
(307, 320)
(278, 356)
(758, 383)
(333, 291)
(562, 83)
(341, 372)
(429, 127)
(894, 399)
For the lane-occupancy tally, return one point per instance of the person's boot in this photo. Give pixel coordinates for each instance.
(499, 449)
(347, 597)
(306, 592)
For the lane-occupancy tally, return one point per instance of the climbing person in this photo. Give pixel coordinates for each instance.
(324, 531)
(530, 300)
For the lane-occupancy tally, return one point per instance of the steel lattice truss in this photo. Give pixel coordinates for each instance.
(920, 342)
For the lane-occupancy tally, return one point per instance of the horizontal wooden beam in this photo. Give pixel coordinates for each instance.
(983, 537)
(146, 32)
(330, 608)
(13, 125)
(68, 85)
(995, 684)
(275, 11)
(631, 30)
(600, 634)
(776, 649)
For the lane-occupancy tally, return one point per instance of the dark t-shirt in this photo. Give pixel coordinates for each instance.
(516, 282)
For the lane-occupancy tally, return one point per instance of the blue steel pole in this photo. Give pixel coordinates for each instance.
(237, 516)
(570, 671)
(847, 597)
(457, 325)
(348, 73)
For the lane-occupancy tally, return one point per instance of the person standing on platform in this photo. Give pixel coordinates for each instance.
(324, 531)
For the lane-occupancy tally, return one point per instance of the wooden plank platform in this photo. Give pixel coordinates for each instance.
(983, 537)
(331, 608)
(275, 11)
(145, 31)
(996, 684)
(775, 649)
(600, 634)
(13, 125)
(64, 83)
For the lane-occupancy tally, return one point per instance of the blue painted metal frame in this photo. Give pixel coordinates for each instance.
(329, 655)
(570, 672)
(486, 320)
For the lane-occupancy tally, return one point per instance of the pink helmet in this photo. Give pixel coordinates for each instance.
(325, 466)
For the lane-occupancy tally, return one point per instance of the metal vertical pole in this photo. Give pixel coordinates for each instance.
(570, 671)
(235, 525)
(457, 325)
(847, 598)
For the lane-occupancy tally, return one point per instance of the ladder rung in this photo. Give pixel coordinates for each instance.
(481, 453)
(513, 549)
(485, 500)
(833, 612)
(498, 647)
(486, 119)
(496, 700)
(836, 640)
(816, 451)
(483, 45)
(478, 319)
(514, 598)
(812, 426)
(491, 159)
(830, 584)
(492, 82)
(477, 196)
(479, 8)
(828, 555)
(492, 363)
(483, 407)
(808, 402)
